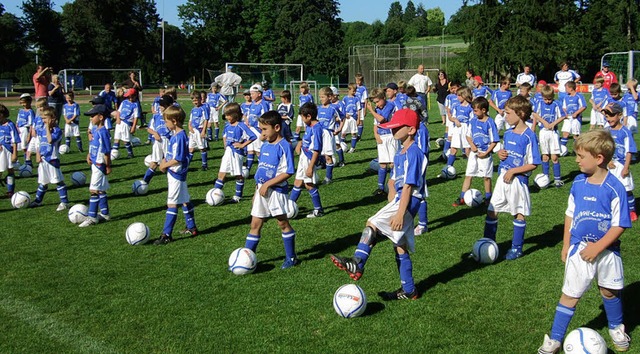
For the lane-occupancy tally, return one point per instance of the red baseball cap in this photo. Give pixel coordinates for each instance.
(131, 92)
(404, 117)
(542, 82)
(478, 79)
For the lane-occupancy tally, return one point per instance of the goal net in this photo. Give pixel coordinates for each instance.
(294, 87)
(624, 64)
(278, 76)
(93, 80)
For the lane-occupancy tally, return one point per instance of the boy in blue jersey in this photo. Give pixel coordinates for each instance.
(236, 137)
(387, 145)
(99, 159)
(71, 113)
(24, 122)
(215, 101)
(351, 108)
(34, 142)
(519, 156)
(268, 95)
(599, 98)
(392, 95)
(48, 159)
(275, 166)
(109, 96)
(285, 108)
(401, 95)
(630, 99)
(482, 136)
(340, 146)
(256, 110)
(9, 140)
(451, 101)
(176, 165)
(160, 135)
(461, 114)
(625, 149)
(303, 98)
(362, 94)
(414, 103)
(309, 149)
(498, 100)
(547, 114)
(573, 105)
(479, 89)
(327, 117)
(395, 220)
(198, 122)
(595, 219)
(127, 117)
(244, 107)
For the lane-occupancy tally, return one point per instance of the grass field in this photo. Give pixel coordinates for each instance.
(66, 289)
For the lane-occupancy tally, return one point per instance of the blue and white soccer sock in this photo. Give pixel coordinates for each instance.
(490, 228)
(219, 184)
(289, 240)
(189, 217)
(239, 187)
(250, 157)
(613, 310)
(217, 129)
(27, 160)
(406, 273)
(204, 156)
(451, 159)
(62, 191)
(78, 143)
(519, 227)
(631, 200)
(329, 174)
(42, 189)
(556, 171)
(545, 168)
(209, 134)
(487, 196)
(251, 242)
(461, 196)
(129, 148)
(382, 177)
(115, 146)
(148, 175)
(103, 202)
(340, 155)
(93, 206)
(360, 130)
(354, 141)
(296, 137)
(190, 156)
(170, 221)
(423, 219)
(362, 253)
(315, 198)
(295, 194)
(67, 141)
(561, 322)
(11, 185)
(564, 141)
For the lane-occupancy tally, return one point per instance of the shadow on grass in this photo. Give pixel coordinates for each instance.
(373, 308)
(631, 309)
(323, 249)
(263, 267)
(461, 213)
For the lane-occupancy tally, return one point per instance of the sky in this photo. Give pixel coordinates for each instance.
(350, 10)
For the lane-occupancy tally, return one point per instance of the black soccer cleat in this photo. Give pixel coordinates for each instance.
(349, 265)
(190, 232)
(163, 240)
(399, 295)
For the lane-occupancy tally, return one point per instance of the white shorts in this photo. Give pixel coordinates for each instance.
(449, 125)
(328, 144)
(48, 174)
(382, 221)
(274, 204)
(5, 160)
(362, 112)
(578, 273)
(24, 138)
(387, 149)
(34, 144)
(479, 167)
(99, 180)
(231, 162)
(350, 126)
(71, 130)
(159, 149)
(571, 126)
(596, 118)
(549, 142)
(459, 136)
(123, 132)
(196, 140)
(627, 182)
(303, 164)
(256, 145)
(632, 124)
(299, 122)
(177, 191)
(443, 109)
(510, 198)
(214, 115)
(501, 122)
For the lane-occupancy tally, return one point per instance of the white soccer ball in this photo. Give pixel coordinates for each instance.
(135, 141)
(440, 142)
(25, 171)
(147, 161)
(541, 180)
(140, 187)
(245, 172)
(584, 340)
(449, 172)
(498, 147)
(374, 165)
(485, 251)
(242, 261)
(344, 146)
(64, 148)
(20, 200)
(78, 213)
(215, 196)
(115, 154)
(292, 209)
(78, 178)
(349, 301)
(473, 198)
(563, 150)
(137, 234)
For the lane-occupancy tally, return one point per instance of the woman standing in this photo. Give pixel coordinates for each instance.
(442, 90)
(56, 96)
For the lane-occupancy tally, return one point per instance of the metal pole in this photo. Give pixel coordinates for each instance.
(162, 59)
(630, 66)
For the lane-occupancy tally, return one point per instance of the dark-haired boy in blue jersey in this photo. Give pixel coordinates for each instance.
(573, 104)
(160, 135)
(71, 113)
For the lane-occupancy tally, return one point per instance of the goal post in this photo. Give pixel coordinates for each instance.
(624, 64)
(294, 87)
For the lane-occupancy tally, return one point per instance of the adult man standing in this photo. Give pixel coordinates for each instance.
(229, 82)
(526, 76)
(41, 81)
(421, 82)
(563, 76)
(609, 76)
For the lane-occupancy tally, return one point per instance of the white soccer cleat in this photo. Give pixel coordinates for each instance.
(88, 222)
(62, 206)
(549, 346)
(419, 230)
(104, 217)
(620, 338)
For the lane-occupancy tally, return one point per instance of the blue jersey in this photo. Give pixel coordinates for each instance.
(25, 118)
(304, 98)
(463, 113)
(596, 208)
(548, 112)
(422, 139)
(631, 104)
(451, 101)
(312, 140)
(624, 143)
(71, 110)
(572, 104)
(128, 111)
(239, 133)
(275, 159)
(256, 110)
(481, 91)
(500, 97)
(483, 133)
(38, 124)
(269, 97)
(396, 103)
(600, 96)
(49, 151)
(339, 106)
(155, 105)
(99, 147)
(244, 107)
(157, 123)
(410, 168)
(110, 99)
(198, 117)
(361, 93)
(327, 117)
(178, 150)
(9, 135)
(351, 106)
(215, 99)
(522, 149)
(286, 112)
(402, 97)
(386, 112)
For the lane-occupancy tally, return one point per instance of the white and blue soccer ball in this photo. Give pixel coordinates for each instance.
(25, 171)
(215, 196)
(584, 340)
(115, 154)
(449, 172)
(349, 301)
(63, 149)
(485, 251)
(440, 142)
(473, 198)
(137, 234)
(242, 261)
(292, 209)
(78, 213)
(563, 150)
(147, 161)
(78, 178)
(135, 141)
(140, 187)
(541, 180)
(245, 172)
(374, 165)
(20, 200)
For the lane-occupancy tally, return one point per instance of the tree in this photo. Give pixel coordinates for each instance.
(12, 35)
(42, 25)
(395, 11)
(409, 12)
(435, 21)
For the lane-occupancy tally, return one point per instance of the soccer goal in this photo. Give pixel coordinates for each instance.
(93, 80)
(294, 87)
(623, 64)
(277, 75)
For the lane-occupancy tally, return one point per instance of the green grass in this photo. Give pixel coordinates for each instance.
(451, 41)
(66, 289)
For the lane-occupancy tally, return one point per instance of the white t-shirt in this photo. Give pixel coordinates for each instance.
(420, 82)
(228, 81)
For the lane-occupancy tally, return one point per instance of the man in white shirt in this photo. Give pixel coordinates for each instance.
(421, 82)
(526, 76)
(229, 82)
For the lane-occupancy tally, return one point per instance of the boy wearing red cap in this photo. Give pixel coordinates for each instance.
(395, 220)
(479, 89)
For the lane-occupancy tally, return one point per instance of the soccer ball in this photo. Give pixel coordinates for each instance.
(245, 172)
(20, 200)
(374, 165)
(140, 187)
(440, 142)
(137, 234)
(115, 154)
(485, 251)
(78, 178)
(472, 198)
(449, 172)
(563, 150)
(498, 147)
(292, 209)
(349, 301)
(147, 161)
(64, 148)
(78, 213)
(541, 180)
(242, 261)
(135, 141)
(215, 196)
(25, 171)
(584, 340)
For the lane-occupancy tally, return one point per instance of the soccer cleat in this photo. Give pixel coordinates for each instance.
(340, 164)
(558, 183)
(351, 151)
(549, 346)
(619, 338)
(163, 240)
(130, 156)
(378, 193)
(190, 232)
(35, 204)
(458, 202)
(633, 216)
(316, 213)
(88, 222)
(514, 253)
(205, 168)
(62, 206)
(235, 199)
(399, 295)
(327, 181)
(290, 262)
(349, 265)
(419, 230)
(104, 217)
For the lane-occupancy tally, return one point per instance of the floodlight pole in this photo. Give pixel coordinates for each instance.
(162, 56)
